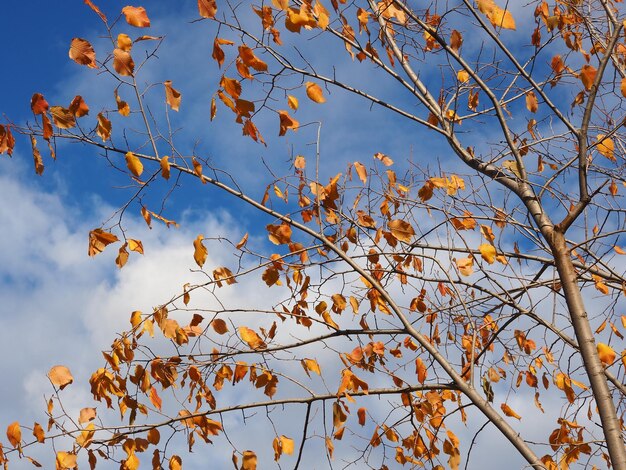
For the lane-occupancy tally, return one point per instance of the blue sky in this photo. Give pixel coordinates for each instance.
(61, 307)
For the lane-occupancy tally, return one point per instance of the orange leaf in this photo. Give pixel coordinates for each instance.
(66, 461)
(531, 102)
(175, 463)
(292, 101)
(249, 460)
(104, 127)
(401, 230)
(219, 326)
(509, 411)
(420, 370)
(588, 76)
(134, 164)
(314, 92)
(200, 252)
(311, 365)
(62, 117)
(123, 62)
(14, 434)
(251, 60)
(172, 96)
(78, 107)
(60, 376)
(207, 8)
(86, 415)
(361, 414)
(287, 122)
(39, 433)
(98, 240)
(361, 171)
(165, 167)
(488, 252)
(38, 104)
(124, 42)
(136, 16)
(606, 354)
(249, 336)
(82, 52)
(606, 147)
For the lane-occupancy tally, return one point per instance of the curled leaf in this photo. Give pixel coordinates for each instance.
(134, 164)
(82, 52)
(60, 376)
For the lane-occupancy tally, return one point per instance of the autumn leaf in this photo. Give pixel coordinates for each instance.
(462, 76)
(251, 60)
(606, 354)
(39, 433)
(98, 240)
(122, 106)
(96, 10)
(86, 415)
(122, 256)
(104, 128)
(136, 16)
(219, 326)
(14, 434)
(38, 104)
(82, 52)
(531, 102)
(207, 8)
(123, 63)
(60, 376)
(279, 234)
(200, 252)
(509, 411)
(249, 336)
(401, 230)
(124, 42)
(66, 461)
(134, 164)
(606, 147)
(498, 17)
(62, 117)
(361, 171)
(287, 122)
(292, 101)
(78, 107)
(488, 252)
(385, 159)
(249, 460)
(311, 365)
(466, 266)
(165, 167)
(588, 76)
(172, 96)
(623, 87)
(314, 92)
(420, 370)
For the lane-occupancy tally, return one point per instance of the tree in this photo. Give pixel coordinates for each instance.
(440, 296)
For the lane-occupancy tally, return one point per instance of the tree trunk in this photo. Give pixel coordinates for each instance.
(591, 361)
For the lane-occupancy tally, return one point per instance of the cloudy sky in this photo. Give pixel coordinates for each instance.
(61, 307)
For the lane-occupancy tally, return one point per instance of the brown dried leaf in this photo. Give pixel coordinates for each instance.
(82, 52)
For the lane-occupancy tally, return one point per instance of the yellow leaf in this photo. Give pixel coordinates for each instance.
(386, 160)
(135, 245)
(623, 87)
(287, 445)
(122, 256)
(619, 250)
(488, 252)
(251, 60)
(122, 106)
(498, 17)
(200, 252)
(462, 76)
(287, 122)
(606, 354)
(509, 411)
(531, 102)
(292, 101)
(124, 42)
(175, 463)
(60, 376)
(249, 460)
(314, 92)
(98, 240)
(401, 230)
(311, 365)
(466, 266)
(172, 96)
(606, 147)
(66, 461)
(249, 336)
(136, 16)
(14, 434)
(134, 164)
(165, 167)
(62, 117)
(361, 171)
